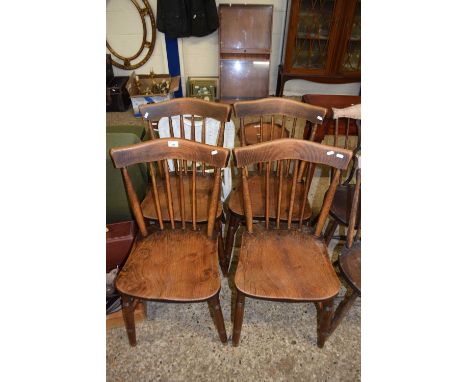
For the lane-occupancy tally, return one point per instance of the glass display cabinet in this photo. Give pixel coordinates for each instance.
(323, 42)
(244, 51)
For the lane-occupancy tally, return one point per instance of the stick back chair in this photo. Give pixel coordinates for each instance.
(283, 263)
(171, 262)
(179, 109)
(341, 208)
(349, 261)
(269, 110)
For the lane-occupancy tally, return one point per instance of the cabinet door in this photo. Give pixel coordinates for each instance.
(314, 28)
(243, 79)
(350, 62)
(245, 28)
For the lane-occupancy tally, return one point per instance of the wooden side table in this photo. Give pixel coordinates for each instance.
(329, 101)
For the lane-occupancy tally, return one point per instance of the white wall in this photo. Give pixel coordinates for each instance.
(199, 55)
(124, 34)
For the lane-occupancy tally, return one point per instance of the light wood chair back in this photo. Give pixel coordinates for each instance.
(267, 109)
(298, 152)
(347, 116)
(160, 151)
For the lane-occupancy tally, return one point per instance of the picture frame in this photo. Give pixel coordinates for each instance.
(205, 88)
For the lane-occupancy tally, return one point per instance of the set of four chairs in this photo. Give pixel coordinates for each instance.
(283, 253)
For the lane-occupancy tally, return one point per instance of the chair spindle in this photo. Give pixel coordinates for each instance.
(194, 195)
(308, 182)
(267, 194)
(247, 203)
(327, 203)
(182, 199)
(280, 188)
(154, 188)
(203, 137)
(214, 202)
(169, 193)
(134, 203)
(293, 193)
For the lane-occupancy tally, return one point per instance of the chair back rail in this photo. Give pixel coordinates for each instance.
(297, 151)
(161, 151)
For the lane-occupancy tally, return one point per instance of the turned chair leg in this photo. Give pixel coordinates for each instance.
(238, 318)
(218, 317)
(234, 222)
(324, 319)
(330, 231)
(342, 309)
(129, 318)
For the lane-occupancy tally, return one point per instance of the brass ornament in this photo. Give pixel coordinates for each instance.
(146, 11)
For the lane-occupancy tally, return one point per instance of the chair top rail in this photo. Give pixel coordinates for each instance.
(169, 148)
(291, 148)
(184, 106)
(277, 105)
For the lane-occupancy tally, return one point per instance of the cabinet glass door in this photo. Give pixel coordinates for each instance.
(312, 34)
(352, 57)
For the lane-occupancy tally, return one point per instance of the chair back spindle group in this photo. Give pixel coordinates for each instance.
(296, 151)
(162, 150)
(179, 118)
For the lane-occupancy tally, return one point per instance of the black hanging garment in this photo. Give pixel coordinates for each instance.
(184, 18)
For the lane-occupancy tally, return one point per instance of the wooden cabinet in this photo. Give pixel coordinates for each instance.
(244, 51)
(323, 42)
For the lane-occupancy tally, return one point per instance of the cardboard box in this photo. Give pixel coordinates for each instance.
(146, 81)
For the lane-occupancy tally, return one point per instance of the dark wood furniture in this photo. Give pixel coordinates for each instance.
(244, 51)
(271, 112)
(179, 107)
(341, 211)
(323, 42)
(119, 240)
(330, 101)
(349, 261)
(278, 262)
(172, 263)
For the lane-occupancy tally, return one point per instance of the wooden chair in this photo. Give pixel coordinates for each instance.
(267, 109)
(178, 108)
(172, 263)
(341, 206)
(349, 261)
(330, 101)
(281, 263)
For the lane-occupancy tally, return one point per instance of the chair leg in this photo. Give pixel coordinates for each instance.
(221, 256)
(341, 310)
(330, 231)
(129, 318)
(238, 318)
(324, 319)
(234, 222)
(218, 317)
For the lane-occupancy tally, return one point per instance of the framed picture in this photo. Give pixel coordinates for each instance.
(205, 88)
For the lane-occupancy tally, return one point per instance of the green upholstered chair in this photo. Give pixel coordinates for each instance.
(117, 207)
(138, 130)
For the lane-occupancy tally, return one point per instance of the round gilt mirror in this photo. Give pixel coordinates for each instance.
(131, 32)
